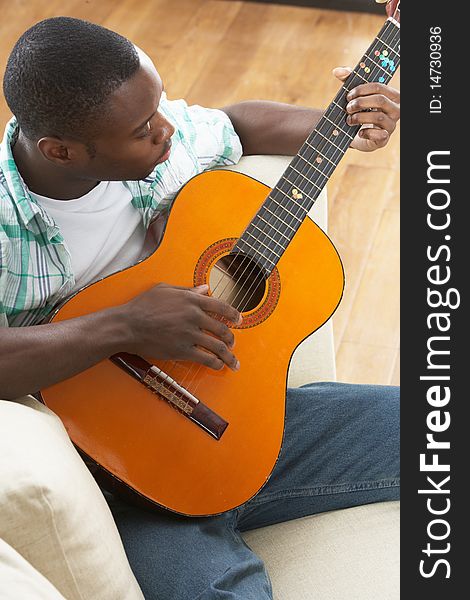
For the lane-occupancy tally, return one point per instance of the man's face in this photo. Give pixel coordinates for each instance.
(135, 136)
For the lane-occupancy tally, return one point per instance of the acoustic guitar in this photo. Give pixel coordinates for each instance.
(183, 436)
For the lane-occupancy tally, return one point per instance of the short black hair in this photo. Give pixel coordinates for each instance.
(60, 74)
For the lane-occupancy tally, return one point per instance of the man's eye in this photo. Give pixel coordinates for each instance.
(146, 130)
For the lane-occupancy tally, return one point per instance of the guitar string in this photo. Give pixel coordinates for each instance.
(316, 150)
(375, 71)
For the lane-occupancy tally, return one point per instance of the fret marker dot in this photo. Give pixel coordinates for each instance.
(362, 65)
(385, 52)
(376, 53)
(381, 79)
(335, 132)
(367, 70)
(319, 159)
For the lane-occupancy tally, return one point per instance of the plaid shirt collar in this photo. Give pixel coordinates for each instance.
(28, 209)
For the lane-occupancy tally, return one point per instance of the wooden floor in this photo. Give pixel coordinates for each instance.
(215, 52)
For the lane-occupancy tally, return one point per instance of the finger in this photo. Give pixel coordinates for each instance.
(206, 358)
(378, 102)
(219, 349)
(218, 329)
(200, 289)
(342, 73)
(368, 89)
(214, 305)
(379, 119)
(380, 137)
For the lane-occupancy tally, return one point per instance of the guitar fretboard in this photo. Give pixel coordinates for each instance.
(275, 224)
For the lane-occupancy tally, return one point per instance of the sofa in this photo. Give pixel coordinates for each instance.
(58, 538)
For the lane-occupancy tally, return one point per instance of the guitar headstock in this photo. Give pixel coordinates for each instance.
(393, 8)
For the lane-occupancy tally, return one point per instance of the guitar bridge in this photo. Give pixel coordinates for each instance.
(178, 397)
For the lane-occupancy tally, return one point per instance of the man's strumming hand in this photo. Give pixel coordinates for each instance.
(176, 323)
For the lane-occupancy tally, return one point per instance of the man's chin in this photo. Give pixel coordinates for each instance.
(142, 175)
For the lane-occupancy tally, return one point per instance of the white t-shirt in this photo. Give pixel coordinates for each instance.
(102, 230)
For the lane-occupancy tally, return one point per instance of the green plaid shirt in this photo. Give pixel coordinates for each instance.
(35, 264)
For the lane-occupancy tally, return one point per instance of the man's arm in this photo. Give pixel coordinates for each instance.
(32, 358)
(276, 128)
(166, 322)
(271, 127)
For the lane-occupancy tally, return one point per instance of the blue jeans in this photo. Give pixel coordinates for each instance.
(340, 449)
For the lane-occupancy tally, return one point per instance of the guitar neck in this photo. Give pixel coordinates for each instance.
(282, 213)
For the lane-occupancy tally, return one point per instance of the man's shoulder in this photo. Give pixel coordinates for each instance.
(8, 212)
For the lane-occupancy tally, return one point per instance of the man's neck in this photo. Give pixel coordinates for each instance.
(44, 178)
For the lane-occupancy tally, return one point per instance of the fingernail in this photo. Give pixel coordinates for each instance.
(201, 287)
(240, 319)
(237, 366)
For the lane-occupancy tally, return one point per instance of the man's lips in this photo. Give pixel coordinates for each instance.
(166, 153)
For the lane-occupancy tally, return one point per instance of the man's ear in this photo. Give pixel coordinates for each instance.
(60, 152)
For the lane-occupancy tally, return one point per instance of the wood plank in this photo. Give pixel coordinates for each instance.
(356, 204)
(377, 300)
(395, 379)
(363, 363)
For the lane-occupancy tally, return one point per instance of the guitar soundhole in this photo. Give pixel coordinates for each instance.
(238, 280)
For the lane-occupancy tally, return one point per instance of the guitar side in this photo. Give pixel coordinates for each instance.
(137, 436)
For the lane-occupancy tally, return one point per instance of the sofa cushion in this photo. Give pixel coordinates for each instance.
(53, 513)
(18, 579)
(348, 554)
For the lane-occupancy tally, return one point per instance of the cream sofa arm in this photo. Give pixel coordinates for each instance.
(53, 513)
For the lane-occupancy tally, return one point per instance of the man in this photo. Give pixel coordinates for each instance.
(94, 153)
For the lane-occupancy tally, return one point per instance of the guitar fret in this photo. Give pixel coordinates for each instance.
(278, 217)
(271, 225)
(360, 76)
(328, 140)
(266, 234)
(247, 232)
(243, 240)
(314, 167)
(385, 44)
(305, 177)
(302, 175)
(338, 127)
(283, 207)
(326, 157)
(380, 67)
(340, 107)
(374, 64)
(293, 200)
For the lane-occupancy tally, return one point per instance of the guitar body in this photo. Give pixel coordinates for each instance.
(137, 436)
